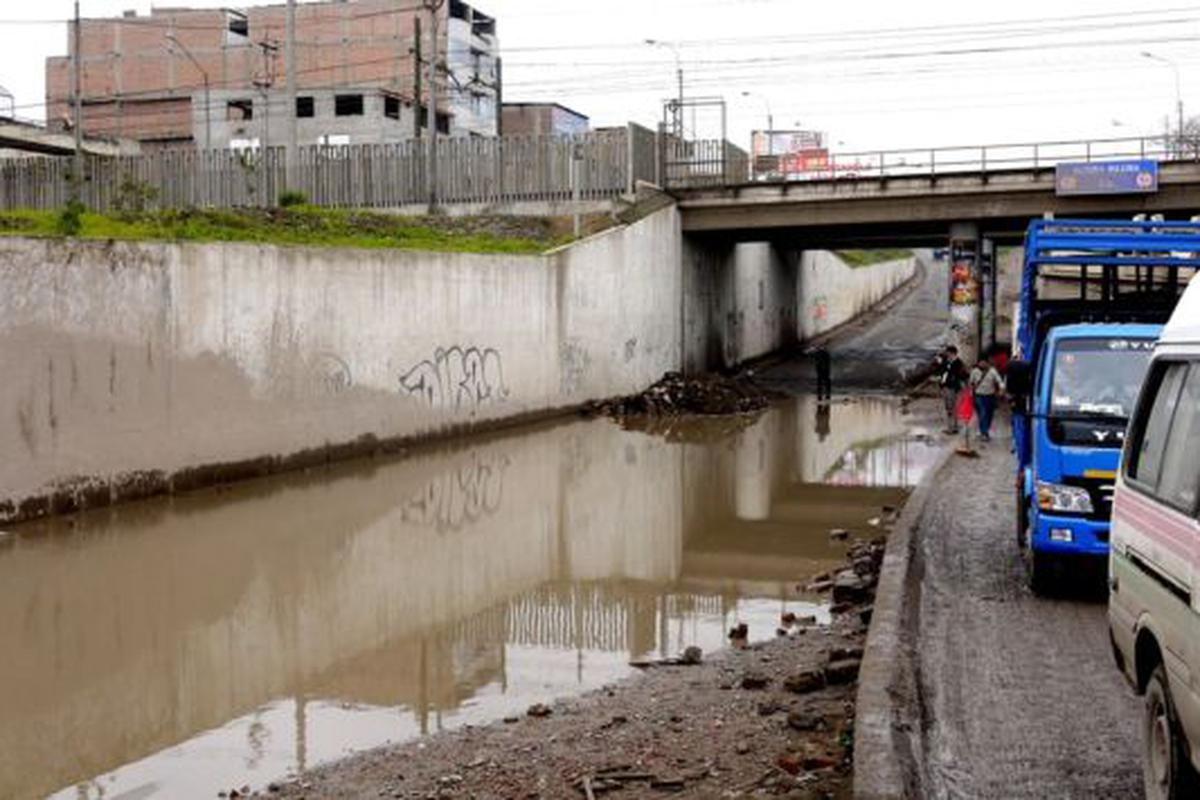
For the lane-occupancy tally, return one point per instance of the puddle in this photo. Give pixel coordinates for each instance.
(179, 647)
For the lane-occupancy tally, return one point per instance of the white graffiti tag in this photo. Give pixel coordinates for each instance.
(457, 378)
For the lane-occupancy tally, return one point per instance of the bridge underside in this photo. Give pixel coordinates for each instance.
(915, 211)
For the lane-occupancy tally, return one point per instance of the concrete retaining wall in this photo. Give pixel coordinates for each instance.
(833, 293)
(137, 368)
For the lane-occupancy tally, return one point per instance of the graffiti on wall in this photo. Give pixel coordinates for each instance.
(460, 497)
(457, 378)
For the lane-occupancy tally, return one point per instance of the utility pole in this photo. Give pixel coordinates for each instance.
(418, 93)
(293, 142)
(270, 50)
(207, 94)
(431, 171)
(77, 88)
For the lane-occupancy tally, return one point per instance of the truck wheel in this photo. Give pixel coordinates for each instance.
(1166, 771)
(1022, 522)
(1041, 572)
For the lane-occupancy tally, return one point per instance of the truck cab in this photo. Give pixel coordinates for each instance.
(1094, 297)
(1086, 384)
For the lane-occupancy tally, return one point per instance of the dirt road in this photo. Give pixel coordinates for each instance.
(1021, 698)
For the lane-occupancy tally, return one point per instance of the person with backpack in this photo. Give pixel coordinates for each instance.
(951, 375)
(987, 386)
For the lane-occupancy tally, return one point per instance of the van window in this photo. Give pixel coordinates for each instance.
(1146, 454)
(1181, 458)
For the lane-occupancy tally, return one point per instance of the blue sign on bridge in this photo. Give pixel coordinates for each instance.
(1106, 177)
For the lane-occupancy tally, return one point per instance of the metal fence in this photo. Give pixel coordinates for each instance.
(598, 165)
(703, 163)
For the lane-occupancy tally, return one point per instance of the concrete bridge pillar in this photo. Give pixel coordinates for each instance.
(965, 289)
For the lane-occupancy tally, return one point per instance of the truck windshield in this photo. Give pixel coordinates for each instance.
(1098, 377)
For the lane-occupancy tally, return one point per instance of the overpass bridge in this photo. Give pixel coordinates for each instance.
(913, 197)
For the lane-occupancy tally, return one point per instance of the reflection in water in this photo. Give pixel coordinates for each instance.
(178, 647)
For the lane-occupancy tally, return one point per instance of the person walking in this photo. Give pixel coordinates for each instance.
(987, 385)
(823, 361)
(951, 375)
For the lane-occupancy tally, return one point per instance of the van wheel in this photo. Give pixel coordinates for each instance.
(1166, 771)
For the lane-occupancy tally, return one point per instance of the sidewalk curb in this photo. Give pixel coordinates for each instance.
(881, 735)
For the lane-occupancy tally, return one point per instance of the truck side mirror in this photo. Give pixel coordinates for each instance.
(1020, 378)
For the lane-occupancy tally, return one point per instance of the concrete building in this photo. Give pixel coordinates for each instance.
(541, 119)
(183, 76)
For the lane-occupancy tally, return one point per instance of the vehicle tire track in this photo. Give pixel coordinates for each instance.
(1023, 698)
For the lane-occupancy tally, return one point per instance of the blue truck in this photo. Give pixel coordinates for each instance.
(1094, 297)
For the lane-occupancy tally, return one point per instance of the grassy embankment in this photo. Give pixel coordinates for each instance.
(303, 225)
(866, 258)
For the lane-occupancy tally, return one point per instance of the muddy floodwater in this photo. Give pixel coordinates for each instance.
(180, 647)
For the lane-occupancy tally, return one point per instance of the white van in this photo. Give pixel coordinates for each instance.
(1154, 560)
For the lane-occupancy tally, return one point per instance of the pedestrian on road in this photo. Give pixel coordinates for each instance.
(987, 386)
(824, 364)
(951, 374)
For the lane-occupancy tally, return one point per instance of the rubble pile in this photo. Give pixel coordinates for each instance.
(676, 395)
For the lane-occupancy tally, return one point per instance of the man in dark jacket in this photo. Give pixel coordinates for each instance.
(951, 375)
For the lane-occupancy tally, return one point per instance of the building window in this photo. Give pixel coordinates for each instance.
(348, 105)
(391, 107)
(239, 110)
(443, 123)
(305, 108)
(239, 25)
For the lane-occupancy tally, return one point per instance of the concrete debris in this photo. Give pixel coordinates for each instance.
(804, 721)
(839, 534)
(677, 395)
(755, 681)
(842, 672)
(850, 587)
(539, 710)
(810, 680)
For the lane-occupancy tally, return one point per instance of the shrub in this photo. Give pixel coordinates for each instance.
(291, 198)
(70, 219)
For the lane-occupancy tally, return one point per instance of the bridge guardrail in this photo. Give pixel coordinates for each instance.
(933, 162)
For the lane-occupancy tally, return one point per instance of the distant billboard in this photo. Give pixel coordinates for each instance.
(778, 143)
(1138, 176)
(789, 154)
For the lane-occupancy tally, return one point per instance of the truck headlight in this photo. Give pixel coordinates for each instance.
(1067, 499)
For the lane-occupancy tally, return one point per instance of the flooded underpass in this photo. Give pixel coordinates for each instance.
(178, 647)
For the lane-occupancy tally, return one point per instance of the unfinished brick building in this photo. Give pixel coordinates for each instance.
(144, 77)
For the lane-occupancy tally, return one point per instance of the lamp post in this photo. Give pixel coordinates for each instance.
(1178, 93)
(207, 98)
(679, 79)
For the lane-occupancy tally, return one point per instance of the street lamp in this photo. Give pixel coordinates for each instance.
(207, 98)
(1178, 92)
(679, 78)
(770, 119)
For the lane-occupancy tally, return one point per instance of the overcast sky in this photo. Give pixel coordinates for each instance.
(872, 73)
